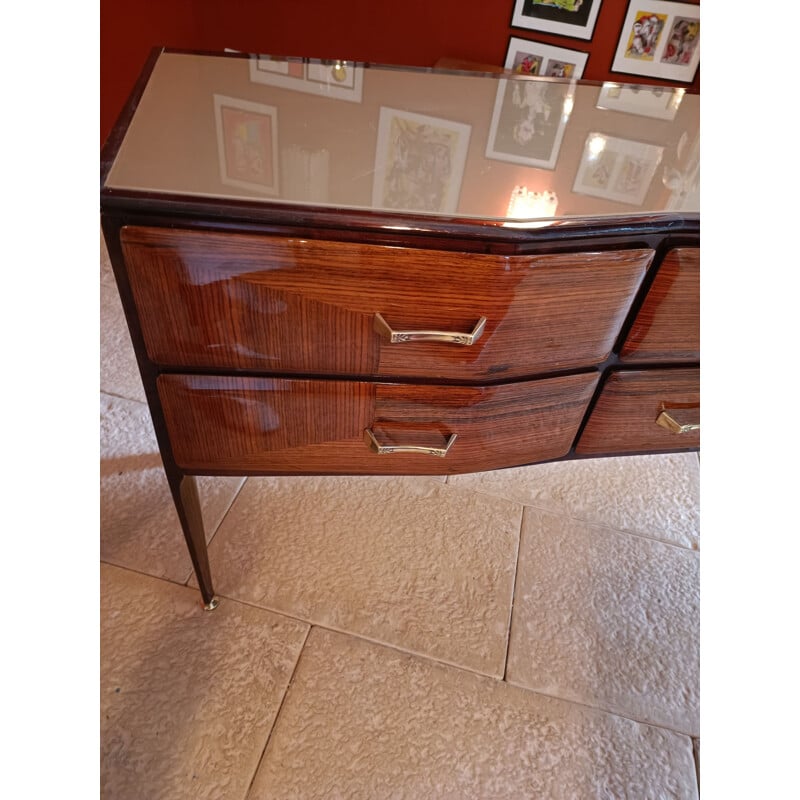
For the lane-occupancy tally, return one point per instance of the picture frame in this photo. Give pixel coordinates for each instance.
(617, 169)
(534, 58)
(247, 144)
(658, 102)
(659, 39)
(337, 79)
(573, 18)
(419, 162)
(528, 121)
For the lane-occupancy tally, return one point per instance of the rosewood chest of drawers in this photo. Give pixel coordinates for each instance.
(324, 272)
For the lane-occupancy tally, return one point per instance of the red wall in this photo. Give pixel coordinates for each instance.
(414, 32)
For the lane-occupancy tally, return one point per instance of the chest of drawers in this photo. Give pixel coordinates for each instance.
(278, 336)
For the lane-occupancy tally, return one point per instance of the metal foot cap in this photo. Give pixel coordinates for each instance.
(212, 604)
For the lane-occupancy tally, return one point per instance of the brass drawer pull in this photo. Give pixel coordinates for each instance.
(395, 337)
(677, 420)
(385, 449)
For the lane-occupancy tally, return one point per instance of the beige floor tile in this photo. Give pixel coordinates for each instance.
(187, 698)
(407, 561)
(364, 721)
(139, 526)
(119, 373)
(607, 619)
(655, 495)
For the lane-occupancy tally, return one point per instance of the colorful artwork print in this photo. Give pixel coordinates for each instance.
(644, 35)
(567, 5)
(683, 39)
(575, 18)
(533, 58)
(659, 39)
(527, 64)
(248, 146)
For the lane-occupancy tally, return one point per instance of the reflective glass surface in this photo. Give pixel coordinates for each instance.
(452, 144)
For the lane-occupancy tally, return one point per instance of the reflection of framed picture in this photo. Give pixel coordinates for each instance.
(419, 162)
(617, 169)
(340, 80)
(534, 58)
(247, 144)
(661, 102)
(528, 122)
(574, 18)
(660, 40)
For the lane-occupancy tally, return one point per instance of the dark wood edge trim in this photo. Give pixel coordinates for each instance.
(179, 208)
(108, 152)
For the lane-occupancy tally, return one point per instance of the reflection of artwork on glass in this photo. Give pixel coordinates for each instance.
(247, 144)
(340, 80)
(617, 169)
(419, 162)
(534, 58)
(528, 121)
(660, 39)
(574, 18)
(661, 102)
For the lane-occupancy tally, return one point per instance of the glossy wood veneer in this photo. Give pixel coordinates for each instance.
(667, 327)
(291, 305)
(258, 425)
(624, 417)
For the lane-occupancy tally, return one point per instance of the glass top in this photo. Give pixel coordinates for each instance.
(507, 148)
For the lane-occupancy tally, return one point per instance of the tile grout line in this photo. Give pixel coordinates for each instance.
(422, 656)
(564, 513)
(278, 712)
(122, 397)
(513, 593)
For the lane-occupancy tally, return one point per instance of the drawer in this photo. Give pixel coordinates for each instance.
(625, 416)
(667, 328)
(241, 425)
(271, 304)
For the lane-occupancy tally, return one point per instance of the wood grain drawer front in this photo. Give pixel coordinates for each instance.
(667, 328)
(624, 417)
(242, 425)
(290, 305)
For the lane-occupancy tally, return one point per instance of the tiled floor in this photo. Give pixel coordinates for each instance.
(531, 633)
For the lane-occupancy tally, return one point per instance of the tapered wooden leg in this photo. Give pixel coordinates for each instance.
(187, 503)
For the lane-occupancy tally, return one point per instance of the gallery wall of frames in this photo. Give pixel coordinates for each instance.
(627, 41)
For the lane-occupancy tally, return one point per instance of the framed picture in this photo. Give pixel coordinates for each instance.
(660, 102)
(574, 18)
(534, 58)
(528, 121)
(247, 144)
(617, 169)
(340, 80)
(659, 40)
(419, 162)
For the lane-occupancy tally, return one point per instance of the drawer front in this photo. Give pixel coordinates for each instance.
(235, 301)
(634, 408)
(667, 328)
(249, 425)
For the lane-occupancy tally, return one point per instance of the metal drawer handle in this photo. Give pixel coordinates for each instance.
(677, 420)
(385, 449)
(394, 337)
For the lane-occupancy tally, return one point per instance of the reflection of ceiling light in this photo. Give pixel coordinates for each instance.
(524, 206)
(596, 145)
(677, 96)
(568, 103)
